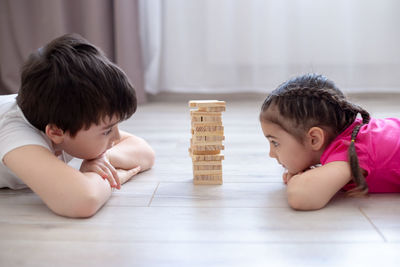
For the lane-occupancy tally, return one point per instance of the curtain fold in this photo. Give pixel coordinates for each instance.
(128, 52)
(111, 25)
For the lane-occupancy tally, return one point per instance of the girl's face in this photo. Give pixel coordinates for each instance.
(287, 150)
(93, 142)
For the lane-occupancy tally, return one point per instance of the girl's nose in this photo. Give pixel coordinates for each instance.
(272, 153)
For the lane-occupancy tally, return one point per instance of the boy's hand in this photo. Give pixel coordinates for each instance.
(126, 175)
(102, 167)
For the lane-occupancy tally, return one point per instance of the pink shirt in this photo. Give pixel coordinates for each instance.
(378, 150)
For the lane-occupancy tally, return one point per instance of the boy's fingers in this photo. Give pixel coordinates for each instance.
(135, 170)
(115, 175)
(110, 177)
(111, 174)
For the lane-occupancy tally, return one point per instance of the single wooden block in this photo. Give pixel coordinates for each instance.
(211, 133)
(205, 143)
(207, 179)
(212, 109)
(206, 124)
(202, 158)
(205, 114)
(207, 162)
(203, 139)
(207, 147)
(212, 152)
(207, 172)
(208, 128)
(206, 103)
(196, 119)
(195, 112)
(213, 167)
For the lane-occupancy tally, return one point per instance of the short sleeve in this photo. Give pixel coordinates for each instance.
(337, 151)
(16, 132)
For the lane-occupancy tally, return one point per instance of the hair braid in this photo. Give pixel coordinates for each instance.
(356, 173)
(325, 105)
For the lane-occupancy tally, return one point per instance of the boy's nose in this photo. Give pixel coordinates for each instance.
(116, 136)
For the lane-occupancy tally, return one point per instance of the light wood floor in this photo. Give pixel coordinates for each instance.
(160, 218)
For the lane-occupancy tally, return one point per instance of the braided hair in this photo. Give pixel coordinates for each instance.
(313, 100)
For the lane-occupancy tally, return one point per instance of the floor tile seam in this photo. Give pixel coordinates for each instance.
(153, 195)
(373, 225)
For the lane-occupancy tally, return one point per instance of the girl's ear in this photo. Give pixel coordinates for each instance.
(54, 133)
(316, 138)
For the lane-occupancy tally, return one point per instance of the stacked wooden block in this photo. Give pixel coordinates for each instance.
(207, 141)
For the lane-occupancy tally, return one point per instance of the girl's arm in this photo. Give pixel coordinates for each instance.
(65, 190)
(314, 188)
(131, 151)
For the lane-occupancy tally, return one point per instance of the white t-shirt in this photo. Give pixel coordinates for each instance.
(16, 131)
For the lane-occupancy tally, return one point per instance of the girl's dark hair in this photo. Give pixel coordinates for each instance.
(70, 83)
(313, 100)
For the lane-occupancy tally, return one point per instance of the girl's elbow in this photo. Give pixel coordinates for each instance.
(303, 201)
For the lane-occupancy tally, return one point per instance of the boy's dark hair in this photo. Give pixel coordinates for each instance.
(71, 83)
(313, 100)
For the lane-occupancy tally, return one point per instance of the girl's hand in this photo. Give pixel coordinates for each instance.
(126, 175)
(287, 176)
(102, 167)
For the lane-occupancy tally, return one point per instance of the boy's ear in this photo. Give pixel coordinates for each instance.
(54, 133)
(316, 138)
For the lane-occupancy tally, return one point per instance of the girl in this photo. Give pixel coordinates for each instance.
(308, 122)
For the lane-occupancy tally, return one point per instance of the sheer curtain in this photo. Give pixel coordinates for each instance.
(254, 45)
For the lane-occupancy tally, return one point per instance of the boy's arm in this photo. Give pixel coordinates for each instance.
(314, 188)
(131, 151)
(65, 190)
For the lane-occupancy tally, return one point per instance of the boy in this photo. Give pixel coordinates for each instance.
(69, 105)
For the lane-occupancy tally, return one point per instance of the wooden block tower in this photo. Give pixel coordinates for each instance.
(207, 141)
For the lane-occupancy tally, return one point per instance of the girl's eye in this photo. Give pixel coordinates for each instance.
(274, 143)
(108, 132)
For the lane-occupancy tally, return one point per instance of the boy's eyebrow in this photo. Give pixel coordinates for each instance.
(110, 125)
(270, 136)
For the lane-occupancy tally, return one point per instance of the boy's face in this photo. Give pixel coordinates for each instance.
(286, 149)
(93, 142)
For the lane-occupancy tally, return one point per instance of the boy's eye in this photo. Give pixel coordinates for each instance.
(108, 132)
